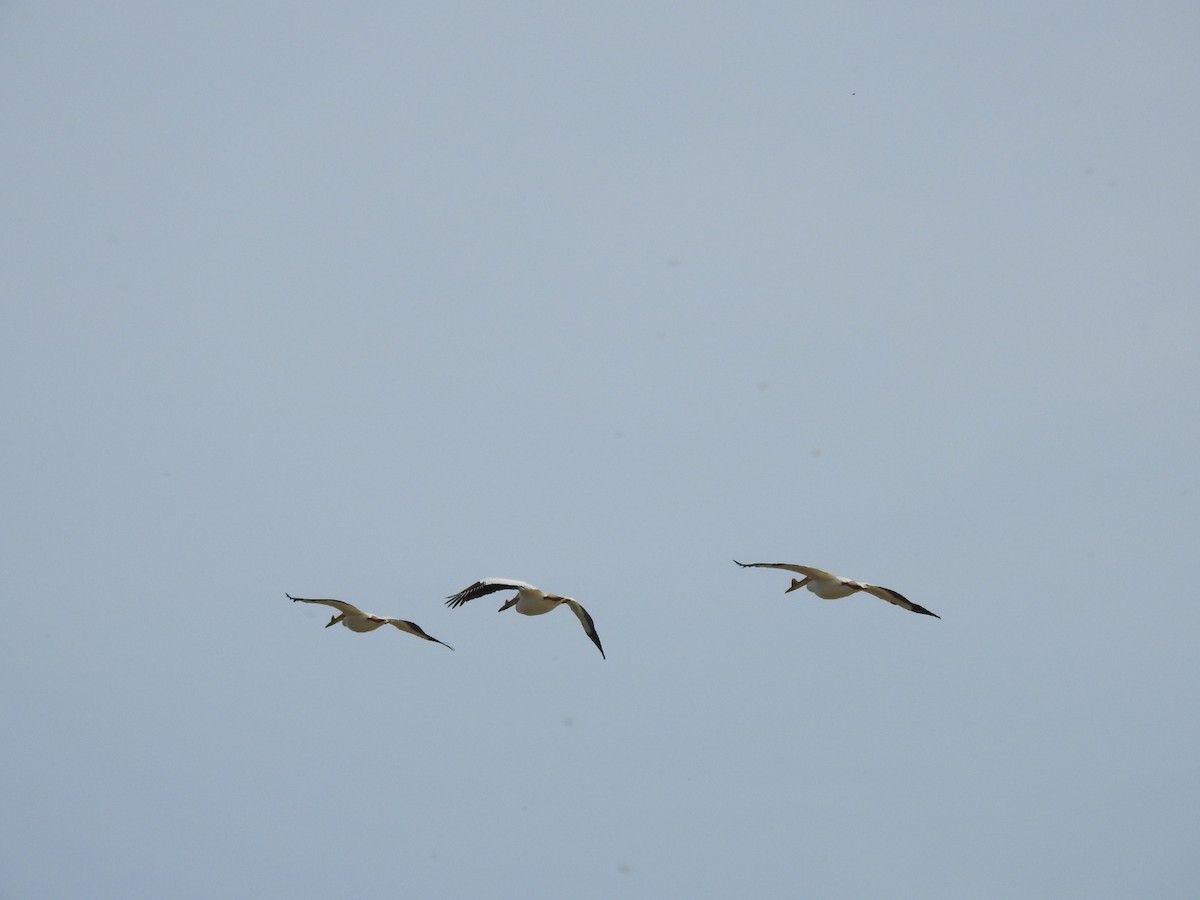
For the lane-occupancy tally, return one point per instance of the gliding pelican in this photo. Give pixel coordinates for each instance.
(833, 587)
(357, 620)
(529, 602)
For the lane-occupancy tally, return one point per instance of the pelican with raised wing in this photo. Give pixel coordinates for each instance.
(529, 601)
(834, 587)
(357, 620)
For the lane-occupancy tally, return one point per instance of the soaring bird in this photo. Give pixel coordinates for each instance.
(529, 602)
(357, 620)
(833, 587)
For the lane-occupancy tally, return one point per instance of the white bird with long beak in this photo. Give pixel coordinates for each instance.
(834, 587)
(357, 620)
(529, 602)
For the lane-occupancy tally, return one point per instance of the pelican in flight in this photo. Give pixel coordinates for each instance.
(357, 620)
(529, 602)
(834, 587)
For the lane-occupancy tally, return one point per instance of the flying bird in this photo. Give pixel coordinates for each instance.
(834, 587)
(529, 602)
(357, 620)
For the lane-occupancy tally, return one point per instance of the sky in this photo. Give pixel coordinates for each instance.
(373, 300)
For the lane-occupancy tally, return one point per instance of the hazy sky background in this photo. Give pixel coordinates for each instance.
(372, 300)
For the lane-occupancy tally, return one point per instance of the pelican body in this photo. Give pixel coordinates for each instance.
(833, 587)
(357, 620)
(529, 601)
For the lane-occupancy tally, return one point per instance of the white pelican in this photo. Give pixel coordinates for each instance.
(357, 620)
(833, 587)
(529, 602)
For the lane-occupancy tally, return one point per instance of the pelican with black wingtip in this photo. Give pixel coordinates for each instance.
(529, 601)
(834, 587)
(357, 620)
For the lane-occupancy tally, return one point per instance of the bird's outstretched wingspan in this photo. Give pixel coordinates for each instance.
(832, 587)
(357, 620)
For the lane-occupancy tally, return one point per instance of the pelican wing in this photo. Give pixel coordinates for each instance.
(415, 629)
(588, 625)
(485, 587)
(892, 597)
(347, 608)
(815, 574)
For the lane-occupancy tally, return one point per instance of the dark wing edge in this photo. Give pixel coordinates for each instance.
(790, 567)
(589, 626)
(417, 631)
(478, 589)
(899, 600)
(326, 601)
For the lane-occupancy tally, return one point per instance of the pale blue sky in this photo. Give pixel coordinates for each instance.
(373, 300)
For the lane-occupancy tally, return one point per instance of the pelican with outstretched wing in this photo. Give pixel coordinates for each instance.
(529, 601)
(834, 587)
(357, 620)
